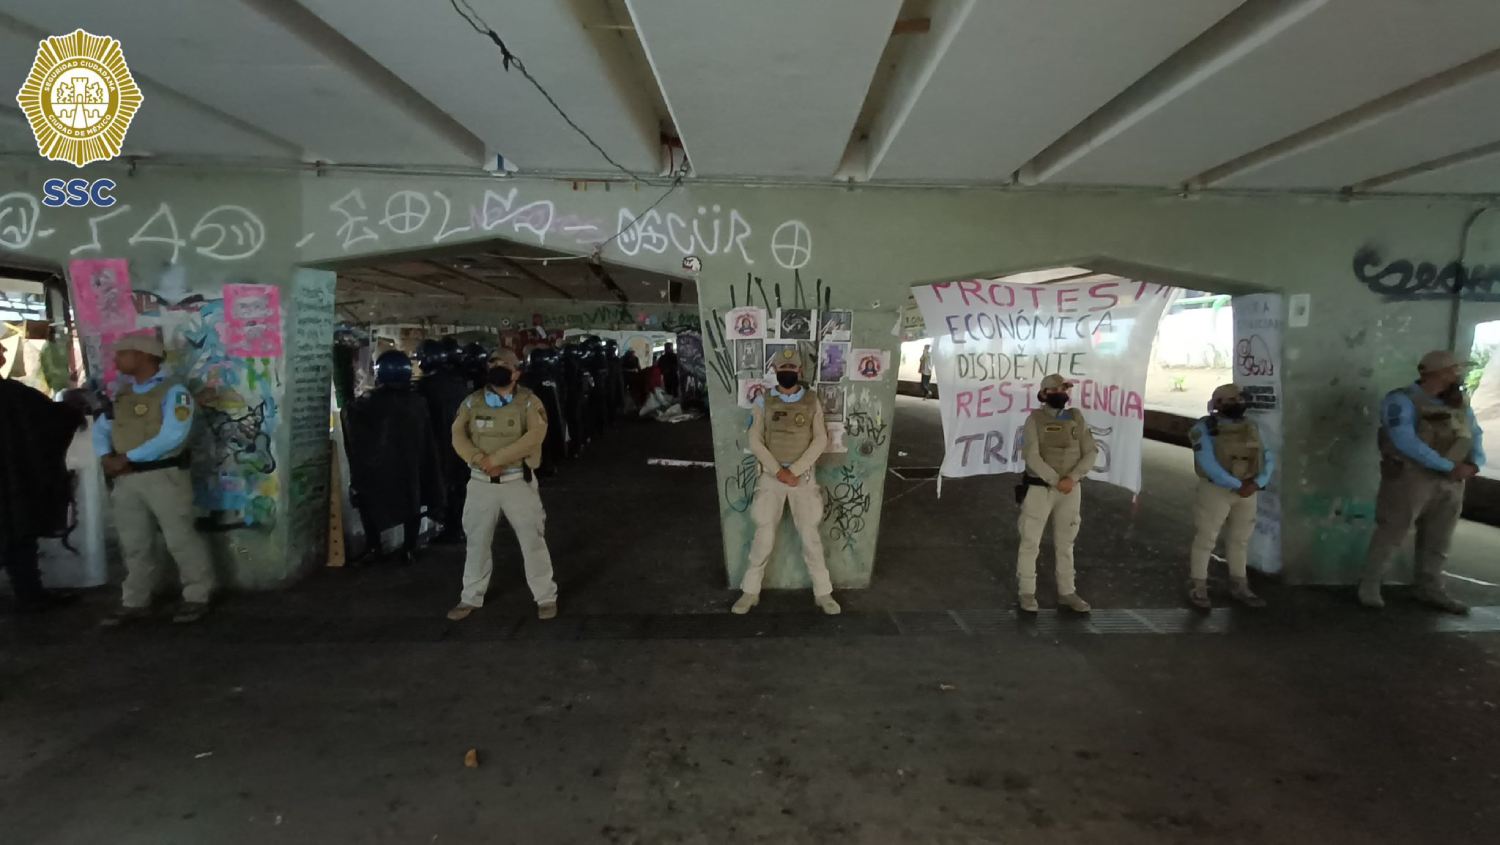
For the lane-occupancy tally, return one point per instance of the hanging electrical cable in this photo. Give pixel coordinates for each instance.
(508, 60)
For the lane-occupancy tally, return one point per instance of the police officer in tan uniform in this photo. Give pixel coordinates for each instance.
(143, 450)
(787, 436)
(1059, 451)
(499, 433)
(1233, 465)
(1430, 444)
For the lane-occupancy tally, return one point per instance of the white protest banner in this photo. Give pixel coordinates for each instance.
(1259, 322)
(995, 342)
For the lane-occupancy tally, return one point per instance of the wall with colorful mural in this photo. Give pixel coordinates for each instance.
(753, 244)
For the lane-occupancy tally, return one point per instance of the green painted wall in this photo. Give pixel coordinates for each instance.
(868, 246)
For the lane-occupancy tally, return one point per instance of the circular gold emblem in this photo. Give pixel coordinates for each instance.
(801, 419)
(140, 409)
(79, 98)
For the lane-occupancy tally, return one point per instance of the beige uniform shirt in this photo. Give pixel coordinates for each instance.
(768, 461)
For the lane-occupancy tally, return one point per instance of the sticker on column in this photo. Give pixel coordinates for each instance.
(868, 364)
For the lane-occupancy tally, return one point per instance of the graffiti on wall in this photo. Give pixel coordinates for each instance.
(845, 505)
(739, 487)
(1406, 280)
(353, 221)
(234, 462)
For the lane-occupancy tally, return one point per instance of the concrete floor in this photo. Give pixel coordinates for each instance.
(340, 711)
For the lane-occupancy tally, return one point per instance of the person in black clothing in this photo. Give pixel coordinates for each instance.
(444, 386)
(35, 486)
(393, 457)
(667, 361)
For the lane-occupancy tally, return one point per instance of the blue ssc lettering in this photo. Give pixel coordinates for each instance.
(78, 193)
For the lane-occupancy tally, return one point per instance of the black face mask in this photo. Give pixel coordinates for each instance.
(1233, 411)
(1057, 400)
(1453, 396)
(499, 377)
(787, 379)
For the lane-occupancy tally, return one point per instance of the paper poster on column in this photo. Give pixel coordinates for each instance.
(102, 296)
(252, 321)
(1259, 325)
(993, 343)
(868, 364)
(745, 324)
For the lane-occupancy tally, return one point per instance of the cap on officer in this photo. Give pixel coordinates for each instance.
(1440, 359)
(505, 358)
(1228, 393)
(788, 359)
(1056, 382)
(148, 343)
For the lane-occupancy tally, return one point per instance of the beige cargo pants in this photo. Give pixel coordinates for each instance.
(1216, 505)
(1065, 511)
(144, 502)
(1407, 497)
(806, 501)
(521, 505)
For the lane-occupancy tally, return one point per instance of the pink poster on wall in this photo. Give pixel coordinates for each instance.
(102, 295)
(252, 321)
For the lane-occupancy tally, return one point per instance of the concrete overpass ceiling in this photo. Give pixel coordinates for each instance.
(273, 65)
(581, 51)
(1016, 74)
(765, 88)
(503, 274)
(1270, 70)
(1320, 95)
(173, 124)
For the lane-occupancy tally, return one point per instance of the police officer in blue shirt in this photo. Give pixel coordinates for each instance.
(1430, 444)
(1234, 464)
(143, 449)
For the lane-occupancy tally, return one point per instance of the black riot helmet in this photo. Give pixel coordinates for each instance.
(453, 350)
(432, 356)
(393, 369)
(475, 355)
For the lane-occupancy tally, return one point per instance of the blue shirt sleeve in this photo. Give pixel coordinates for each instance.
(1478, 433)
(103, 428)
(1399, 416)
(174, 430)
(1203, 456)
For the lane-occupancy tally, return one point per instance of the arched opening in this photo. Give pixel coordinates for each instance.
(614, 356)
(1133, 548)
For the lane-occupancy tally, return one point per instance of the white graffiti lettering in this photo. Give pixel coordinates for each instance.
(236, 221)
(443, 231)
(94, 245)
(305, 238)
(535, 217)
(353, 221)
(697, 233)
(791, 245)
(172, 238)
(406, 212)
(21, 210)
(739, 229)
(641, 234)
(673, 221)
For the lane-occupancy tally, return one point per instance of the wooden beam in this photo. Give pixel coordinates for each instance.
(414, 280)
(531, 274)
(912, 26)
(604, 278)
(482, 282)
(366, 282)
